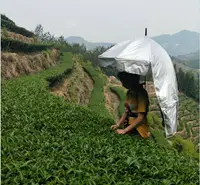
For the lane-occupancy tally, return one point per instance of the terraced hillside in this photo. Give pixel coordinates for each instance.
(188, 127)
(75, 87)
(22, 53)
(114, 97)
(46, 140)
(56, 118)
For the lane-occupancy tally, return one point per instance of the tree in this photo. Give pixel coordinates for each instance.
(61, 40)
(48, 38)
(181, 79)
(39, 31)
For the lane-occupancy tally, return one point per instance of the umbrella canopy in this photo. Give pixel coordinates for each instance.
(136, 57)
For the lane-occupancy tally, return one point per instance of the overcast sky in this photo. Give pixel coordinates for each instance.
(105, 20)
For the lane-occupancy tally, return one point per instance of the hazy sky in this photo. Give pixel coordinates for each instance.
(105, 20)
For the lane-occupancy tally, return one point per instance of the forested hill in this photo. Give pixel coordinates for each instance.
(181, 43)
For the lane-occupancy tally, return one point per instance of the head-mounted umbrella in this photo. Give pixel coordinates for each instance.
(136, 57)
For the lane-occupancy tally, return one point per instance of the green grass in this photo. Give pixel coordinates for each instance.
(122, 96)
(97, 100)
(48, 141)
(59, 78)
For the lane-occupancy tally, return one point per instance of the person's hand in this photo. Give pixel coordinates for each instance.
(114, 127)
(120, 131)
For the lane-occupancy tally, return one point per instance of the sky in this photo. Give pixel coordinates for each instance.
(105, 20)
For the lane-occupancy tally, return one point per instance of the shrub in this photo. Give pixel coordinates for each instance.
(12, 27)
(4, 17)
(186, 146)
(18, 46)
(5, 33)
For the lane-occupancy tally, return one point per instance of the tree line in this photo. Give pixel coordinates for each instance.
(64, 46)
(188, 83)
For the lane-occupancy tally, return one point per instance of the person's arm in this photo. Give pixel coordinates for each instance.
(135, 123)
(121, 121)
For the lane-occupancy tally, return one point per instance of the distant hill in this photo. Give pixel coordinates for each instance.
(89, 45)
(191, 60)
(184, 65)
(190, 56)
(187, 66)
(181, 43)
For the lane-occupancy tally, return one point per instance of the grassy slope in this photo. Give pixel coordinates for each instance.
(122, 96)
(47, 141)
(97, 100)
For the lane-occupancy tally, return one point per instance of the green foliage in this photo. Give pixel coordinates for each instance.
(154, 121)
(59, 78)
(110, 71)
(193, 64)
(186, 146)
(160, 137)
(196, 142)
(5, 33)
(45, 140)
(150, 119)
(188, 84)
(93, 55)
(122, 96)
(61, 44)
(18, 46)
(188, 128)
(188, 117)
(97, 100)
(4, 17)
(46, 53)
(179, 127)
(14, 28)
(39, 31)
